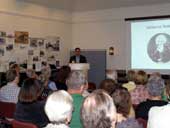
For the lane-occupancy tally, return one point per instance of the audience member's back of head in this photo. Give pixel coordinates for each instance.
(98, 111)
(155, 86)
(63, 74)
(11, 75)
(141, 78)
(108, 85)
(59, 107)
(31, 73)
(76, 80)
(122, 100)
(154, 74)
(30, 90)
(14, 66)
(131, 75)
(45, 75)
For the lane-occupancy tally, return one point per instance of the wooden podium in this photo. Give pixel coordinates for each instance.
(84, 67)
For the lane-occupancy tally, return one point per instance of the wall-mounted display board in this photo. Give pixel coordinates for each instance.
(19, 47)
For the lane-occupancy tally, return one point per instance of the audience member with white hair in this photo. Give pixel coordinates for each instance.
(59, 107)
(98, 111)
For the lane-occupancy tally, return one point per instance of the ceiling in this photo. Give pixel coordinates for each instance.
(91, 5)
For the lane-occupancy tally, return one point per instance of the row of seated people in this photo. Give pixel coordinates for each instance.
(60, 105)
(96, 115)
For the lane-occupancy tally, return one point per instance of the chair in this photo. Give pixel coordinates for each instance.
(143, 122)
(19, 124)
(7, 109)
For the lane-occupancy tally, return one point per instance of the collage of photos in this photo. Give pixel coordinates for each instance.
(32, 49)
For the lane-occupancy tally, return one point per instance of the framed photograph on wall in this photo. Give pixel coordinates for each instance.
(21, 37)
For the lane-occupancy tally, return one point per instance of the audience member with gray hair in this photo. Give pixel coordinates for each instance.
(98, 111)
(76, 83)
(155, 87)
(76, 80)
(59, 107)
(159, 115)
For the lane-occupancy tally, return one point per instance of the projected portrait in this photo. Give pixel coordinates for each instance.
(159, 48)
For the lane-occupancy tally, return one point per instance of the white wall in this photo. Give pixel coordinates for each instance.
(89, 30)
(39, 21)
(102, 29)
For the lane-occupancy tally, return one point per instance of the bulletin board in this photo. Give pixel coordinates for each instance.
(19, 47)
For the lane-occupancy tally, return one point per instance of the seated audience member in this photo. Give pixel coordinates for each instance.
(155, 88)
(9, 92)
(61, 77)
(122, 100)
(91, 87)
(140, 93)
(28, 108)
(14, 66)
(85, 92)
(45, 79)
(31, 73)
(108, 85)
(111, 74)
(166, 93)
(98, 111)
(131, 76)
(59, 107)
(76, 83)
(155, 74)
(159, 117)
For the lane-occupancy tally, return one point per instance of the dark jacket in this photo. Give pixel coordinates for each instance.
(32, 113)
(61, 86)
(143, 108)
(82, 59)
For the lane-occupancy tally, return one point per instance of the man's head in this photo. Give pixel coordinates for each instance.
(77, 51)
(160, 41)
(98, 111)
(155, 86)
(76, 81)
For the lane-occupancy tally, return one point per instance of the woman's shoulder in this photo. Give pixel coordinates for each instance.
(129, 123)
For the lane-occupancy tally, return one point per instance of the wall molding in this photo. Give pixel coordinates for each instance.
(118, 14)
(57, 19)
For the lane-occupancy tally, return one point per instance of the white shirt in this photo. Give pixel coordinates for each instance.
(57, 126)
(159, 117)
(9, 93)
